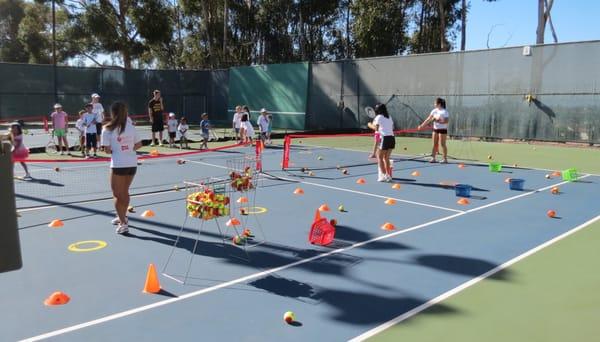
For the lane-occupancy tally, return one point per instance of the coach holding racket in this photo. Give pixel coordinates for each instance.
(120, 139)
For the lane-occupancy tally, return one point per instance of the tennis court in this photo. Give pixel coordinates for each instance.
(365, 281)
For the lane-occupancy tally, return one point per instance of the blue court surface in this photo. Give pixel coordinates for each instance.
(365, 278)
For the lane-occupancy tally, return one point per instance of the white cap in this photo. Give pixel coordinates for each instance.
(94, 95)
(171, 115)
(263, 110)
(58, 105)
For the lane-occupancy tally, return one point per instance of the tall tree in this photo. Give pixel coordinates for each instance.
(12, 13)
(544, 9)
(464, 9)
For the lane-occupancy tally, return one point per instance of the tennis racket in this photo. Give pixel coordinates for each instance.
(370, 112)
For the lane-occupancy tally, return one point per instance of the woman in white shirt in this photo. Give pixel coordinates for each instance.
(120, 139)
(439, 116)
(384, 125)
(237, 121)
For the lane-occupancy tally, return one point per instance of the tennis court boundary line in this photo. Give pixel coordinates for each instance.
(417, 156)
(471, 282)
(192, 294)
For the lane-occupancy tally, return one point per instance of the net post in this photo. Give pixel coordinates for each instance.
(45, 121)
(287, 141)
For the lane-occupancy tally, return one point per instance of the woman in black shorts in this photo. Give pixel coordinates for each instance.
(120, 139)
(439, 116)
(384, 125)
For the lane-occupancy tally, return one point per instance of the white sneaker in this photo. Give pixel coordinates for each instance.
(381, 178)
(115, 221)
(152, 143)
(388, 178)
(122, 229)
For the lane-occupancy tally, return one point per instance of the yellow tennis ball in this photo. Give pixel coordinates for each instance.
(289, 317)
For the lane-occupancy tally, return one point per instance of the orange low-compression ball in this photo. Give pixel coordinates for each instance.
(551, 213)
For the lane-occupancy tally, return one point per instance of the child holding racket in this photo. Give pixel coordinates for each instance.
(439, 116)
(384, 125)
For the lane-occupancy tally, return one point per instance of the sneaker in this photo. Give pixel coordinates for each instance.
(388, 178)
(160, 144)
(95, 156)
(381, 178)
(62, 153)
(122, 229)
(445, 161)
(115, 221)
(433, 160)
(371, 156)
(27, 177)
(152, 143)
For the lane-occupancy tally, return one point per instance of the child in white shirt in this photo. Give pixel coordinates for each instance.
(183, 128)
(172, 129)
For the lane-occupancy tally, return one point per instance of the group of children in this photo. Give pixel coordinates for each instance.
(242, 125)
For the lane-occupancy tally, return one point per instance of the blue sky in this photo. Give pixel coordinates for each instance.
(516, 20)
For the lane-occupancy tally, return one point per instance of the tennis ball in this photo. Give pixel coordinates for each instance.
(176, 188)
(406, 148)
(130, 209)
(319, 158)
(551, 213)
(344, 171)
(57, 169)
(341, 208)
(311, 173)
(338, 167)
(242, 211)
(289, 317)
(333, 222)
(490, 156)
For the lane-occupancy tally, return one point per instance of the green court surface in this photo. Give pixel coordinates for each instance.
(553, 294)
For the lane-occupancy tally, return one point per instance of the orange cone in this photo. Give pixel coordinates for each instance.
(324, 207)
(152, 285)
(148, 213)
(233, 222)
(396, 186)
(298, 191)
(57, 298)
(242, 200)
(415, 174)
(388, 226)
(56, 224)
(461, 166)
(555, 190)
(551, 213)
(556, 174)
(361, 181)
(154, 153)
(390, 201)
(463, 201)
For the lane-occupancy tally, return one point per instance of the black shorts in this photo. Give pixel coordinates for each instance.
(172, 135)
(388, 143)
(158, 125)
(124, 171)
(91, 140)
(99, 128)
(441, 131)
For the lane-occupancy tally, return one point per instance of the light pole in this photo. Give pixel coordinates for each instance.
(54, 50)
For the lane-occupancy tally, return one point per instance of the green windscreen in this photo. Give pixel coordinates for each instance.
(279, 88)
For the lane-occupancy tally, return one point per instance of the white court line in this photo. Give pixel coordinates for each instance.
(351, 191)
(426, 155)
(173, 278)
(469, 283)
(260, 274)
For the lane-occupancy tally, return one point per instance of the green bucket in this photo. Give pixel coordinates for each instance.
(569, 175)
(495, 167)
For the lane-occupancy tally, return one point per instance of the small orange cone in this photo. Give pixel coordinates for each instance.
(551, 213)
(396, 186)
(242, 200)
(390, 201)
(233, 222)
(152, 285)
(556, 174)
(148, 213)
(555, 190)
(324, 207)
(298, 191)
(361, 181)
(415, 174)
(154, 153)
(57, 298)
(388, 226)
(463, 201)
(461, 166)
(56, 224)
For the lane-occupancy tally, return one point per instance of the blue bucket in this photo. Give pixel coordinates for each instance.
(516, 184)
(463, 190)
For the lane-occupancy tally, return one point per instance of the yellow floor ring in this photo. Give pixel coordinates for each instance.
(96, 245)
(256, 210)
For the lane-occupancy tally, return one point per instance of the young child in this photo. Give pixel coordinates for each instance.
(60, 124)
(263, 125)
(172, 129)
(269, 128)
(19, 151)
(205, 128)
(236, 122)
(81, 129)
(246, 130)
(439, 116)
(89, 124)
(183, 128)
